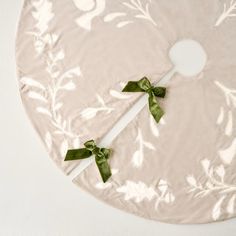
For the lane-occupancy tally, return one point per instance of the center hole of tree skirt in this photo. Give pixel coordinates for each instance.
(188, 56)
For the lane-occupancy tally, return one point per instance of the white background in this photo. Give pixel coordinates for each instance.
(35, 197)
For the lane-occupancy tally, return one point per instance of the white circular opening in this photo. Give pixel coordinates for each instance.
(188, 57)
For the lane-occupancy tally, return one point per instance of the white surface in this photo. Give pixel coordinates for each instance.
(35, 197)
(188, 56)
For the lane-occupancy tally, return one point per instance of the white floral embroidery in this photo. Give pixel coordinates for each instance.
(100, 185)
(140, 192)
(138, 156)
(140, 9)
(48, 140)
(49, 103)
(154, 126)
(228, 154)
(225, 118)
(227, 12)
(229, 121)
(85, 5)
(92, 10)
(215, 182)
(91, 112)
(230, 94)
(43, 15)
(118, 94)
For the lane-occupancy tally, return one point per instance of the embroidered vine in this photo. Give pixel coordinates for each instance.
(138, 156)
(154, 126)
(225, 119)
(139, 191)
(229, 11)
(141, 11)
(215, 182)
(47, 96)
(43, 15)
(91, 112)
(92, 9)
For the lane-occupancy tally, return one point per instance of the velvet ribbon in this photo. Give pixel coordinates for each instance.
(101, 157)
(144, 85)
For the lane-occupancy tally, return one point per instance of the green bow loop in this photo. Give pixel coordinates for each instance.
(101, 157)
(144, 85)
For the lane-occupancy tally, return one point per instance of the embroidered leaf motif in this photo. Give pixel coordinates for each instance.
(43, 15)
(48, 141)
(227, 12)
(230, 94)
(37, 96)
(139, 191)
(192, 181)
(71, 73)
(220, 117)
(76, 143)
(58, 56)
(91, 112)
(154, 126)
(50, 103)
(123, 23)
(229, 125)
(64, 148)
(101, 101)
(216, 212)
(137, 159)
(149, 145)
(220, 171)
(143, 10)
(69, 86)
(215, 184)
(100, 185)
(32, 83)
(231, 205)
(227, 155)
(84, 5)
(118, 95)
(58, 106)
(138, 155)
(85, 21)
(205, 164)
(43, 111)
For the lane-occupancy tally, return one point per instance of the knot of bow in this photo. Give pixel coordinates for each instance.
(101, 157)
(144, 85)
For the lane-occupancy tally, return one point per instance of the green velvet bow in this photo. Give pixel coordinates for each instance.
(144, 85)
(101, 156)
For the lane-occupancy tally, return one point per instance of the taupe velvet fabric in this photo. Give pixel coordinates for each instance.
(74, 57)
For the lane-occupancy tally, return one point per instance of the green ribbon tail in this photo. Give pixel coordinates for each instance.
(154, 108)
(77, 154)
(132, 86)
(103, 166)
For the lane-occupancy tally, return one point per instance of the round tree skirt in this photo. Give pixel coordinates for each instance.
(74, 57)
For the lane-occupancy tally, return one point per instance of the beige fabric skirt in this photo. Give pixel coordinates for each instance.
(73, 59)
